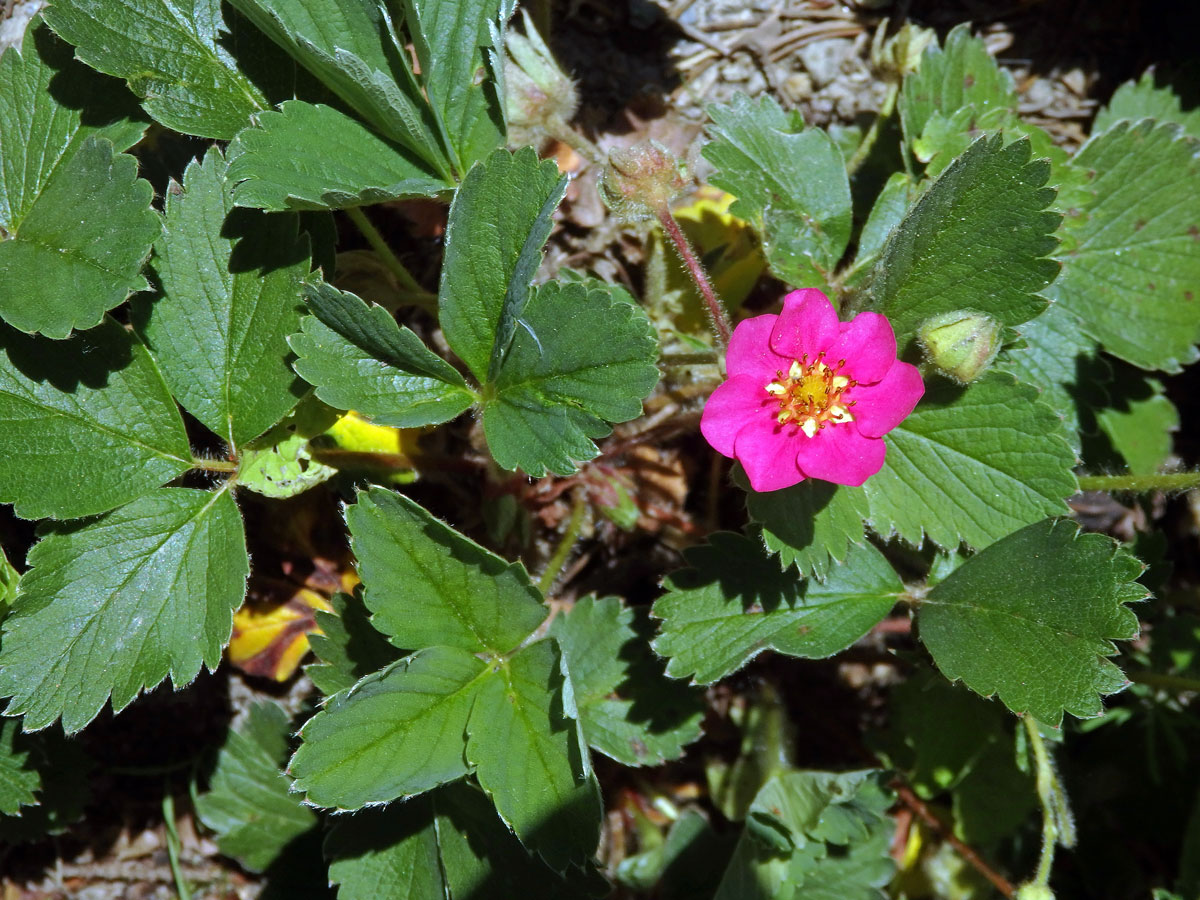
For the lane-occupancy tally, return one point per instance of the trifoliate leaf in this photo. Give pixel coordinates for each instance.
(810, 525)
(397, 733)
(976, 239)
(962, 74)
(172, 55)
(348, 647)
(389, 852)
(582, 359)
(1145, 99)
(352, 49)
(116, 604)
(1061, 361)
(499, 221)
(69, 256)
(248, 803)
(790, 182)
(1139, 421)
(1032, 618)
(429, 586)
(528, 758)
(735, 601)
(285, 162)
(1130, 271)
(627, 709)
(43, 783)
(454, 40)
(219, 331)
(972, 464)
(94, 411)
(358, 358)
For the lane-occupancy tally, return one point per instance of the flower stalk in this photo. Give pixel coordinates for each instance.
(716, 312)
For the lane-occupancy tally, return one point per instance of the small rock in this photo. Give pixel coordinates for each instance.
(823, 59)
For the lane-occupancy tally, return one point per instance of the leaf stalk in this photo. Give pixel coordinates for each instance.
(411, 289)
(1141, 484)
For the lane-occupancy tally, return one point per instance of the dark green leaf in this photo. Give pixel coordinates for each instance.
(389, 852)
(172, 56)
(972, 464)
(627, 709)
(810, 525)
(248, 803)
(789, 180)
(735, 602)
(348, 647)
(1130, 269)
(44, 769)
(427, 585)
(92, 410)
(583, 358)
(529, 759)
(499, 221)
(286, 162)
(397, 733)
(19, 778)
(1032, 618)
(219, 331)
(359, 358)
(976, 239)
(116, 604)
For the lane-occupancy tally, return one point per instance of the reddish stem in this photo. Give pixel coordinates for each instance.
(913, 802)
(715, 311)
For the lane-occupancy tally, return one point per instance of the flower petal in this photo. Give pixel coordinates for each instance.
(731, 407)
(878, 408)
(867, 344)
(750, 350)
(808, 324)
(838, 453)
(767, 451)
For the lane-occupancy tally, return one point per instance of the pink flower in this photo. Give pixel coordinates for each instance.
(809, 396)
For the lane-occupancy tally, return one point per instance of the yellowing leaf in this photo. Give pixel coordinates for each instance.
(270, 638)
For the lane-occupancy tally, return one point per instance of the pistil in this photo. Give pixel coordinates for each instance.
(810, 394)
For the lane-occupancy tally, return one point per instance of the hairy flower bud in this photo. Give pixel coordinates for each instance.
(1034, 892)
(642, 179)
(900, 54)
(537, 91)
(962, 343)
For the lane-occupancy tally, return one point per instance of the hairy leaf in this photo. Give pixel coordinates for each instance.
(976, 239)
(499, 221)
(584, 358)
(219, 331)
(358, 358)
(627, 709)
(1032, 618)
(116, 604)
(92, 410)
(428, 586)
(1145, 99)
(735, 601)
(397, 733)
(810, 525)
(285, 161)
(1131, 274)
(789, 180)
(347, 646)
(528, 758)
(248, 803)
(972, 464)
(172, 54)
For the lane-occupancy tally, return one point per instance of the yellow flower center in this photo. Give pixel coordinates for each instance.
(810, 394)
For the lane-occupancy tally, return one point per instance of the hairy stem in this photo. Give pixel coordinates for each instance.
(872, 135)
(688, 359)
(1057, 824)
(563, 551)
(720, 321)
(1165, 682)
(409, 286)
(1175, 481)
(556, 128)
(173, 846)
(913, 802)
(215, 465)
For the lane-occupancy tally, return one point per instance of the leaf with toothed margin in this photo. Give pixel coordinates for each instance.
(735, 601)
(114, 605)
(971, 464)
(810, 525)
(1033, 617)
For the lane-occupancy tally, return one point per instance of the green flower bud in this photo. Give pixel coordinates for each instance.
(537, 91)
(1034, 892)
(900, 54)
(642, 180)
(962, 343)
